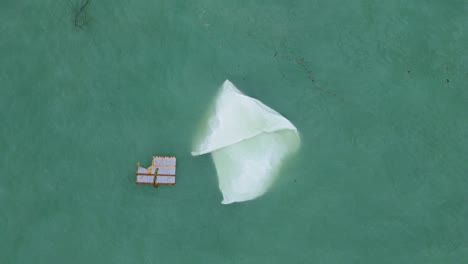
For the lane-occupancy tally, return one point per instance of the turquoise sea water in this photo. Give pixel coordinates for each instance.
(377, 89)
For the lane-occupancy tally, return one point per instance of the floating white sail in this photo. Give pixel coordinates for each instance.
(248, 142)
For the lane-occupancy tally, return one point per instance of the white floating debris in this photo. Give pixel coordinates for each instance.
(248, 141)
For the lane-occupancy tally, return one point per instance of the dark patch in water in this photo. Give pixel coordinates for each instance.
(81, 18)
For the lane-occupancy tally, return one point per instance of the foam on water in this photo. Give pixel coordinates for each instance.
(248, 142)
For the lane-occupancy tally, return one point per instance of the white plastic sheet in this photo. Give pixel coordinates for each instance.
(248, 142)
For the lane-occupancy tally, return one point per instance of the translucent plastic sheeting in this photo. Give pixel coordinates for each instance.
(248, 142)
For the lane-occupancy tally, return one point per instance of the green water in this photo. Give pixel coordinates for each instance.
(377, 89)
